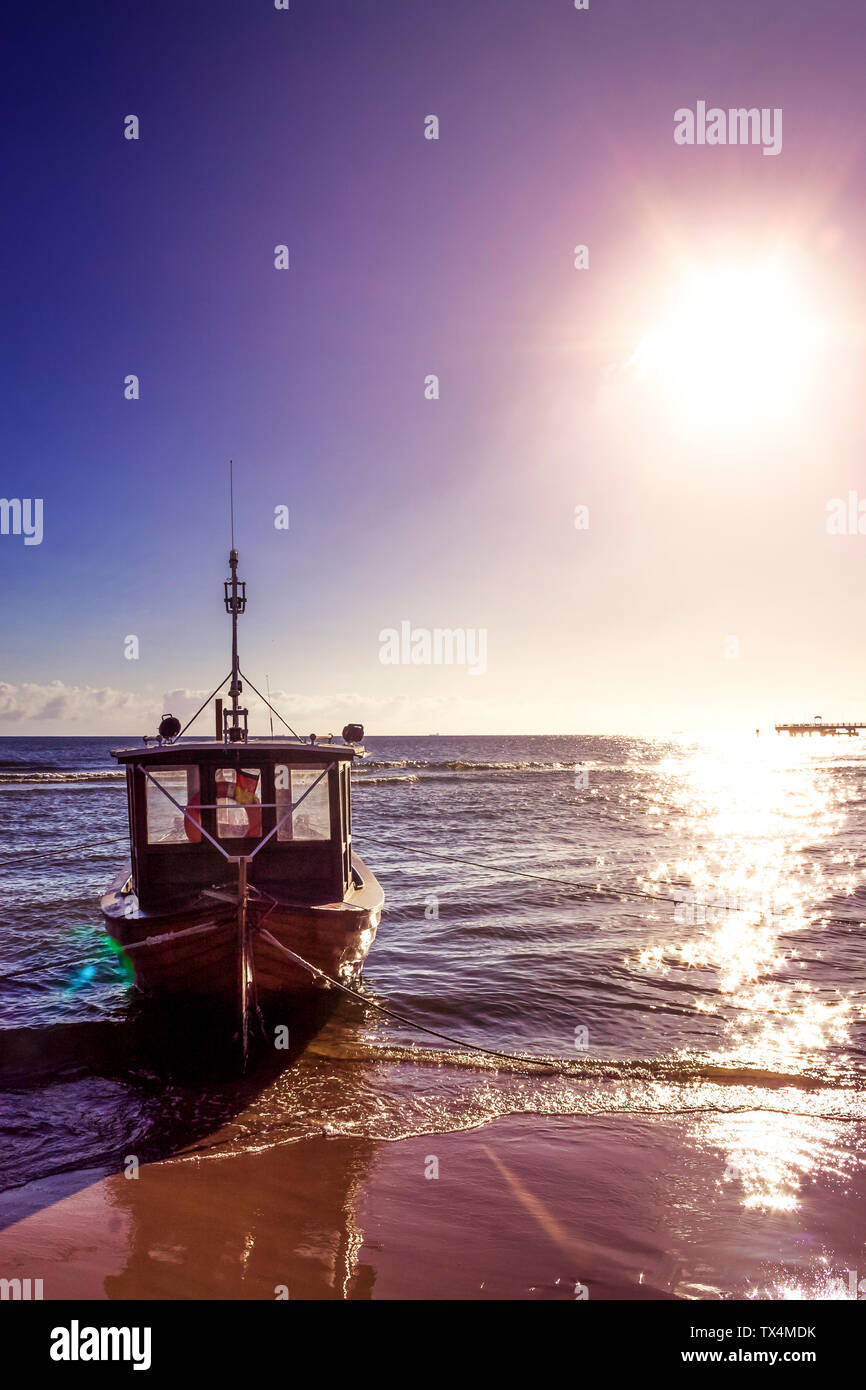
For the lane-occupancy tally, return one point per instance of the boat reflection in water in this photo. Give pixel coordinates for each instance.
(286, 1227)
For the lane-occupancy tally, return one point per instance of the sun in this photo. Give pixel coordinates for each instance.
(733, 349)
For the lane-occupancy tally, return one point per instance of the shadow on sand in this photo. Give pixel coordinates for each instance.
(179, 1078)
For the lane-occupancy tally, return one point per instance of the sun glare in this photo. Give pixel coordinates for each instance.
(733, 348)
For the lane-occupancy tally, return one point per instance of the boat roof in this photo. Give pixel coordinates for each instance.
(211, 750)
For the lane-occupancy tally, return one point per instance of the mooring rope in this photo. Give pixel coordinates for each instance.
(572, 885)
(54, 965)
(410, 1023)
(599, 887)
(26, 854)
(527, 873)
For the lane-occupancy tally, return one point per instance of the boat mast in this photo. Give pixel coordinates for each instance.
(235, 731)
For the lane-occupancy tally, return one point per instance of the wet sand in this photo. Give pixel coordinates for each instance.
(522, 1209)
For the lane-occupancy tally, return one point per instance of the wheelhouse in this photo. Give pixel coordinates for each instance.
(195, 809)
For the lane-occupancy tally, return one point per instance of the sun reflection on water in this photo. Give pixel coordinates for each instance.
(761, 826)
(753, 821)
(766, 1158)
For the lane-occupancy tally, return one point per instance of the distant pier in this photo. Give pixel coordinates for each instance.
(822, 727)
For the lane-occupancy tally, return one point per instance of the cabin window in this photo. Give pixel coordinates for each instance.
(239, 803)
(166, 825)
(312, 819)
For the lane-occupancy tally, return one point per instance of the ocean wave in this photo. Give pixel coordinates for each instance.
(666, 1070)
(439, 1095)
(388, 777)
(467, 765)
(37, 778)
(413, 768)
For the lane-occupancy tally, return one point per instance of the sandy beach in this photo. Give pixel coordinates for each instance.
(518, 1211)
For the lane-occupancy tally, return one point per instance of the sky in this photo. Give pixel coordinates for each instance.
(695, 383)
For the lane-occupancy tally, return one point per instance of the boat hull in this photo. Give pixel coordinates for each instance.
(194, 951)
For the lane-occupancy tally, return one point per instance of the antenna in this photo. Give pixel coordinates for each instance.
(236, 602)
(268, 688)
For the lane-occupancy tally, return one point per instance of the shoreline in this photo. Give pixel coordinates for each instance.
(519, 1210)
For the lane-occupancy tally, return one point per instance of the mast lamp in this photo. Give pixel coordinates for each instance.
(236, 595)
(235, 731)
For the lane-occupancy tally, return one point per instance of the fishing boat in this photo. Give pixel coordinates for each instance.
(242, 885)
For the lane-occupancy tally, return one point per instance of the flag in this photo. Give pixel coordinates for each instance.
(244, 791)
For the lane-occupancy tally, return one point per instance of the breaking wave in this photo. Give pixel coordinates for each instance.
(37, 777)
(463, 765)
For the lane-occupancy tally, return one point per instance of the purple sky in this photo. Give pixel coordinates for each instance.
(412, 257)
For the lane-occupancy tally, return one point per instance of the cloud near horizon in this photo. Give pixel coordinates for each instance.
(57, 708)
(59, 702)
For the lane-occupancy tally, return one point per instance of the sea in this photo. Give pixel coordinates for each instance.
(663, 937)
